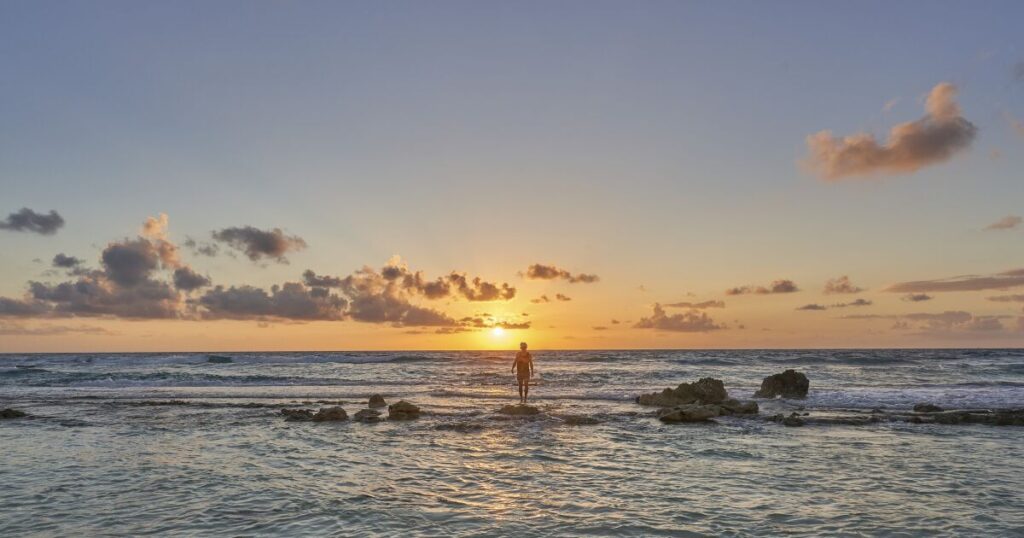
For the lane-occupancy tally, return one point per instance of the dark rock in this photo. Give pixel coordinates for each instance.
(12, 413)
(377, 401)
(927, 408)
(297, 414)
(328, 414)
(219, 359)
(788, 384)
(403, 410)
(792, 420)
(736, 407)
(688, 413)
(520, 410)
(579, 420)
(367, 415)
(705, 391)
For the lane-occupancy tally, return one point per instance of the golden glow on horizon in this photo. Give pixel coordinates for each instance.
(498, 332)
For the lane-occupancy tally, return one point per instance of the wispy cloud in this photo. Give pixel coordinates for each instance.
(998, 281)
(934, 138)
(1008, 222)
(700, 306)
(916, 297)
(540, 271)
(841, 285)
(778, 286)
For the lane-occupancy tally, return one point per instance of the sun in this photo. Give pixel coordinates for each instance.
(497, 332)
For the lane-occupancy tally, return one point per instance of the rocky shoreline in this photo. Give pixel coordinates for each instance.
(702, 401)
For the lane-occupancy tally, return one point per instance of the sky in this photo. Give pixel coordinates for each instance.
(468, 175)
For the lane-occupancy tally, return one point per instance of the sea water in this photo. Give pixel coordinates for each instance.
(173, 444)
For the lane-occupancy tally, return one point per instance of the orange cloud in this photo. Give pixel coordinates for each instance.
(934, 138)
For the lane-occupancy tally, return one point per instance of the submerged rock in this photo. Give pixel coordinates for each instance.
(579, 420)
(788, 384)
(297, 414)
(327, 414)
(403, 410)
(377, 401)
(705, 391)
(793, 420)
(927, 408)
(367, 415)
(12, 413)
(688, 413)
(219, 359)
(520, 410)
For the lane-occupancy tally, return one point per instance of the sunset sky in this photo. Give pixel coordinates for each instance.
(466, 175)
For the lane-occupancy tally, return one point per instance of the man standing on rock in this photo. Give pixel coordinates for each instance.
(523, 366)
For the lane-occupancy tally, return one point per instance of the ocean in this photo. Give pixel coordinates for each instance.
(172, 444)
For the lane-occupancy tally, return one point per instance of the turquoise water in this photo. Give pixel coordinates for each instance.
(98, 458)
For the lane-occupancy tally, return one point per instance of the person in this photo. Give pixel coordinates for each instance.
(523, 367)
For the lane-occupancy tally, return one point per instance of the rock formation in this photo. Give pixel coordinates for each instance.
(520, 410)
(377, 401)
(12, 413)
(403, 410)
(706, 391)
(788, 384)
(367, 415)
(327, 414)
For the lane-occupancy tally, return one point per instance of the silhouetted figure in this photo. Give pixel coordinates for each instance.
(523, 367)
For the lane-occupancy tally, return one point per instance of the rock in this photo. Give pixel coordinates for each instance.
(367, 415)
(219, 359)
(12, 413)
(788, 384)
(403, 410)
(793, 420)
(327, 414)
(688, 413)
(520, 410)
(927, 408)
(736, 407)
(579, 420)
(377, 401)
(297, 414)
(705, 391)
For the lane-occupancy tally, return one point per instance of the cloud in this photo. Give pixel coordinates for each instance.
(201, 249)
(1007, 298)
(599, 328)
(616, 322)
(916, 297)
(130, 262)
(777, 286)
(699, 306)
(564, 298)
(692, 321)
(539, 271)
(26, 220)
(1006, 223)
(95, 294)
(541, 299)
(63, 261)
(812, 307)
(185, 279)
(934, 138)
(312, 279)
(259, 244)
(14, 329)
(841, 285)
(858, 302)
(999, 281)
(949, 322)
(15, 308)
(292, 301)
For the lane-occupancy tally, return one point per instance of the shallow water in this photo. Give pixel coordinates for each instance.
(95, 461)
